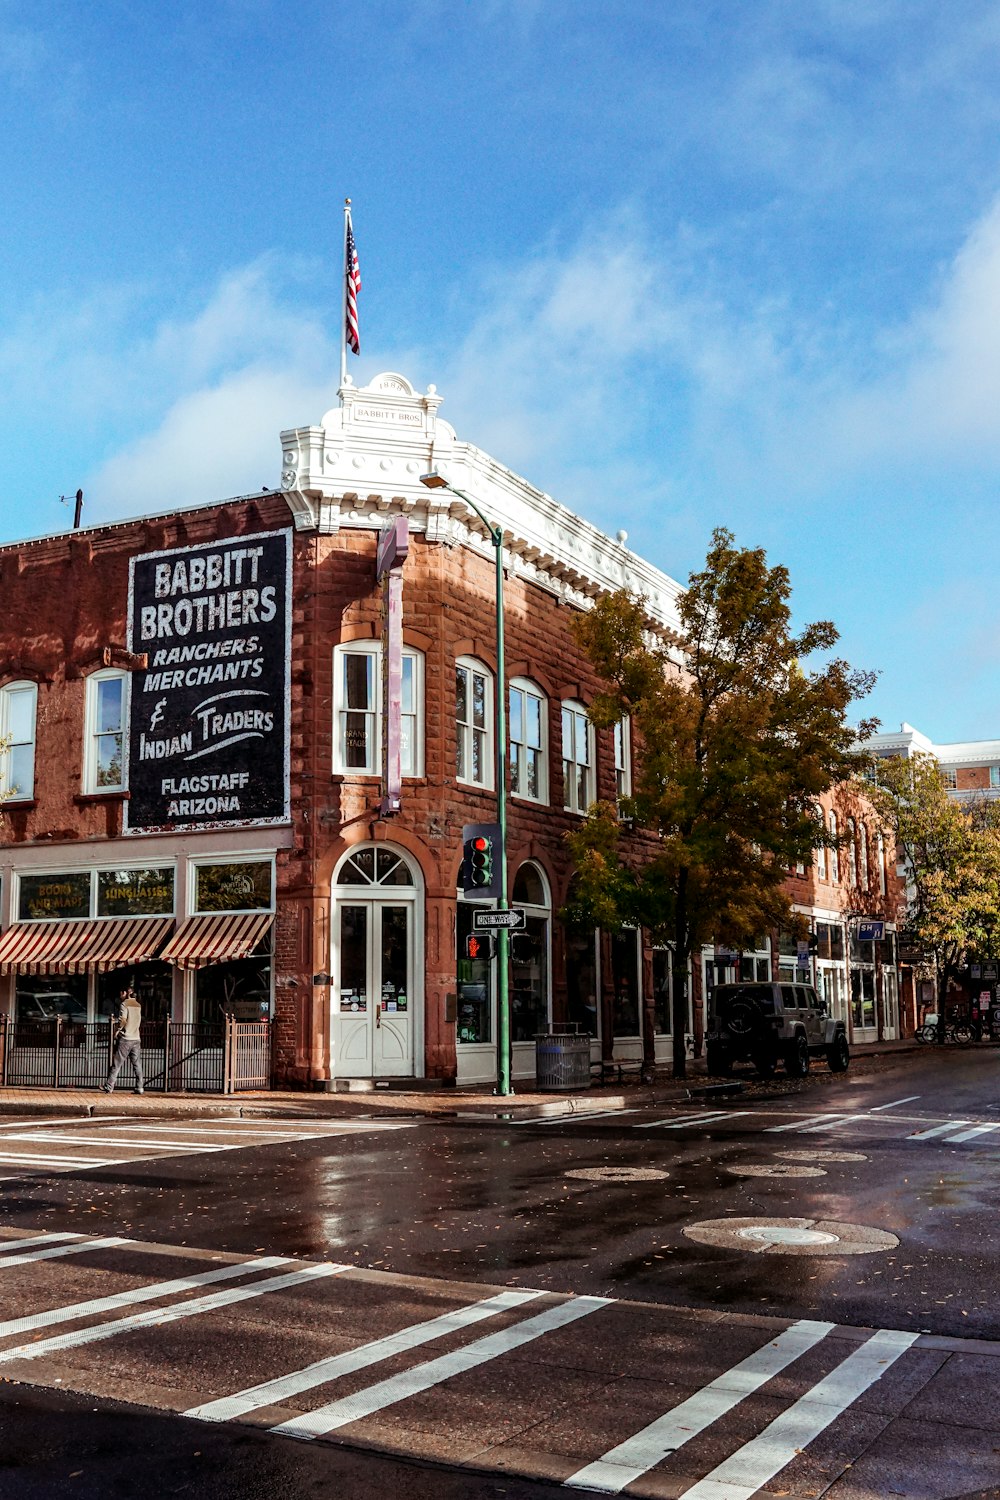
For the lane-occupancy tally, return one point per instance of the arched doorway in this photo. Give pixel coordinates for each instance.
(377, 965)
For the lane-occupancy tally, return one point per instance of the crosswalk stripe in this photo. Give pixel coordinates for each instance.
(9, 1246)
(926, 1135)
(104, 1140)
(422, 1377)
(830, 1122)
(673, 1122)
(30, 1159)
(819, 1120)
(270, 1392)
(159, 1315)
(54, 1252)
(750, 1467)
(620, 1465)
(968, 1135)
(151, 1293)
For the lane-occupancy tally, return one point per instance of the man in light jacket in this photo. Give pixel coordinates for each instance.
(127, 1044)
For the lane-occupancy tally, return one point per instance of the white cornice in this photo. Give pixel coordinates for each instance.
(364, 462)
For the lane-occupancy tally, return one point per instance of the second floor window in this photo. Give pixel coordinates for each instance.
(527, 742)
(623, 758)
(473, 723)
(18, 702)
(104, 754)
(852, 850)
(578, 758)
(834, 852)
(357, 706)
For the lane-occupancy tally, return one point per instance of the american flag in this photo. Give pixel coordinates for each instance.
(353, 271)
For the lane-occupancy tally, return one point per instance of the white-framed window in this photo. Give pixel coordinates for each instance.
(473, 722)
(880, 856)
(950, 777)
(820, 848)
(994, 775)
(358, 710)
(623, 758)
(863, 833)
(578, 758)
(104, 733)
(527, 741)
(18, 705)
(834, 852)
(852, 851)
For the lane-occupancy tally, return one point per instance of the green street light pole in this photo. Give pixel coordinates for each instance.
(436, 481)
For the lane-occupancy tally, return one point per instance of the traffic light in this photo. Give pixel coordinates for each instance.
(479, 947)
(481, 864)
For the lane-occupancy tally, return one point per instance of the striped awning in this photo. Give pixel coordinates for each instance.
(216, 937)
(81, 947)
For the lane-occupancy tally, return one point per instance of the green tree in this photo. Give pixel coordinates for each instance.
(736, 742)
(951, 852)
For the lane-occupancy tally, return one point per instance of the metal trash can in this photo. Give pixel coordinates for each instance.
(562, 1060)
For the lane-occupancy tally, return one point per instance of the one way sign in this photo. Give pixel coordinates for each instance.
(489, 921)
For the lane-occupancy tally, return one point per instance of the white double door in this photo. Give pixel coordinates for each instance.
(374, 1000)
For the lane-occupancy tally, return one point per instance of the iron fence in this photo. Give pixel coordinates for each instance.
(227, 1057)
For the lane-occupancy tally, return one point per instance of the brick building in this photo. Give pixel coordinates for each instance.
(198, 713)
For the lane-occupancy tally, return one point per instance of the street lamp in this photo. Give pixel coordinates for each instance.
(436, 481)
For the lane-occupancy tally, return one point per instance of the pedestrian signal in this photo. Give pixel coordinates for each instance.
(481, 864)
(479, 947)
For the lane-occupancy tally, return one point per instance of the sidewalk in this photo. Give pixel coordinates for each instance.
(444, 1102)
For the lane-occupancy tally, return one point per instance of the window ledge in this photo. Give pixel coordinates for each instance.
(118, 796)
(15, 804)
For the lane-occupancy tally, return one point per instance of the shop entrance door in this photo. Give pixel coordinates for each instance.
(373, 1022)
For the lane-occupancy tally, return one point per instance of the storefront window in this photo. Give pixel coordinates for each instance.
(529, 986)
(474, 979)
(128, 893)
(43, 997)
(581, 981)
(243, 886)
(863, 997)
(54, 896)
(625, 982)
(240, 989)
(152, 982)
(662, 990)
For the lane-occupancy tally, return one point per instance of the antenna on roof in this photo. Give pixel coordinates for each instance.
(78, 509)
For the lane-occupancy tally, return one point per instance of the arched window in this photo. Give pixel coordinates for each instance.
(18, 704)
(528, 739)
(104, 732)
(623, 758)
(834, 852)
(375, 867)
(852, 851)
(578, 758)
(820, 848)
(529, 956)
(880, 858)
(864, 856)
(473, 722)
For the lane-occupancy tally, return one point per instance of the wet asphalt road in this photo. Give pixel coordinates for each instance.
(529, 1205)
(493, 1202)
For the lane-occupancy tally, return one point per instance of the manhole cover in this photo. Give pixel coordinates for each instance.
(781, 1234)
(765, 1236)
(764, 1169)
(822, 1155)
(617, 1174)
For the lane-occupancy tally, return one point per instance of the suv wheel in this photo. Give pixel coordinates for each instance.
(797, 1058)
(718, 1061)
(838, 1054)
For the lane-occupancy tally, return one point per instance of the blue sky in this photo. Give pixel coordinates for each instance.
(684, 265)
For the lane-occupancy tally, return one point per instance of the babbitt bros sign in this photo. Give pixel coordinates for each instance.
(208, 735)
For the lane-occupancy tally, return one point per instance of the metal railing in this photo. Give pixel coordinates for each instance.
(228, 1057)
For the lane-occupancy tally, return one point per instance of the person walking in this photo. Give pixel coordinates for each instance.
(127, 1042)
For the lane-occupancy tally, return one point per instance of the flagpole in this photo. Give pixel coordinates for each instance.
(343, 298)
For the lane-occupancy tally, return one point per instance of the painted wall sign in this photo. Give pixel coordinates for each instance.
(208, 717)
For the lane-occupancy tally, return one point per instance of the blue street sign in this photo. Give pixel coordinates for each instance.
(871, 932)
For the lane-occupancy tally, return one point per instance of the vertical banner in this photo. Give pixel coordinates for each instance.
(209, 714)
